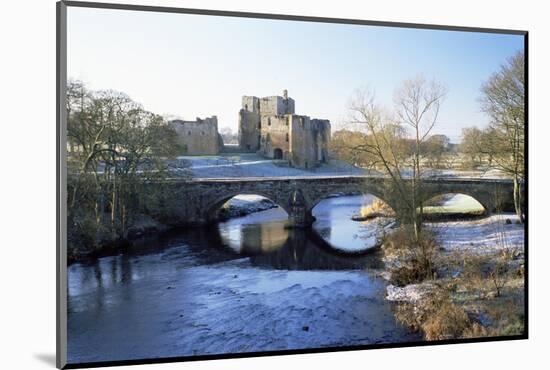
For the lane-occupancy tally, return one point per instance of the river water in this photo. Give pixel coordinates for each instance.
(244, 285)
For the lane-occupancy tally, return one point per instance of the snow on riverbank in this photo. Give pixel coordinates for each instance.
(242, 205)
(411, 293)
(483, 236)
(487, 236)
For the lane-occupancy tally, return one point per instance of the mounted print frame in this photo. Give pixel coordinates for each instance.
(345, 185)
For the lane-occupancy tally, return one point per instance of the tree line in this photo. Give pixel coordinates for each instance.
(399, 142)
(114, 146)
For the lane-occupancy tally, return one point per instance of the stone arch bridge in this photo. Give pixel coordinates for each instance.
(197, 201)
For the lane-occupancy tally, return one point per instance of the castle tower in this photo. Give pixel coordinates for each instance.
(270, 127)
(249, 124)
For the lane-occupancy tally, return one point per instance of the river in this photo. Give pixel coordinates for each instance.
(244, 285)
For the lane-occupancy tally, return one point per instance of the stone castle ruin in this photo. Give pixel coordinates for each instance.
(267, 126)
(270, 127)
(199, 137)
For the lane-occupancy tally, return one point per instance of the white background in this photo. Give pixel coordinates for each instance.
(27, 186)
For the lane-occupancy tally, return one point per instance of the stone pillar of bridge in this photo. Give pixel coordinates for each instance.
(299, 214)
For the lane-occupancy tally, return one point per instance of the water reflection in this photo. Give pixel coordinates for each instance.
(263, 237)
(186, 292)
(260, 236)
(254, 238)
(333, 223)
(265, 232)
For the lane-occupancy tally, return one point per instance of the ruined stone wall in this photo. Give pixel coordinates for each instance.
(249, 124)
(249, 131)
(321, 128)
(276, 105)
(199, 137)
(251, 104)
(275, 137)
(309, 141)
(302, 143)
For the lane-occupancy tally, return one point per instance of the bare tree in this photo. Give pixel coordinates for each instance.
(503, 99)
(417, 104)
(113, 145)
(472, 146)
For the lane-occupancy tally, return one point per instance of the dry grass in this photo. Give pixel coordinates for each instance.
(376, 209)
(440, 317)
(472, 296)
(437, 317)
(414, 259)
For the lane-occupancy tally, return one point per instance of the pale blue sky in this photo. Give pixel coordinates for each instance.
(196, 66)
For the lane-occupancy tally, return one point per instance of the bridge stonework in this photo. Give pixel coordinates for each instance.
(198, 201)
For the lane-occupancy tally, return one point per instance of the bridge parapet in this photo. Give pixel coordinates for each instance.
(197, 201)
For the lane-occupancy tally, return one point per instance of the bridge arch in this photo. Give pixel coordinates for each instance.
(484, 200)
(214, 206)
(314, 201)
(456, 203)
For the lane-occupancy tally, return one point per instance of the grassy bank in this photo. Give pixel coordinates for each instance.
(453, 290)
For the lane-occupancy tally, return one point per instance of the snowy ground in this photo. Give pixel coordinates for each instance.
(484, 236)
(489, 174)
(244, 204)
(456, 203)
(253, 165)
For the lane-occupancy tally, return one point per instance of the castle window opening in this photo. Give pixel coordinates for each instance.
(287, 137)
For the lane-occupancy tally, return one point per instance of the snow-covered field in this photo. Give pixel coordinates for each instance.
(456, 203)
(487, 235)
(253, 165)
